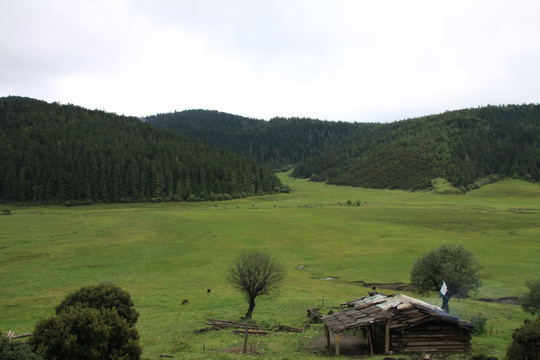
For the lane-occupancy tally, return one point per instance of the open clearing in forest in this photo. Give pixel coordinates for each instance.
(164, 253)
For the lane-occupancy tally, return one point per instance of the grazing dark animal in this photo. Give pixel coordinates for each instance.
(208, 291)
(185, 302)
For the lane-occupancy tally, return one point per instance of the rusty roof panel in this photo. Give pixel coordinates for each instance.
(403, 311)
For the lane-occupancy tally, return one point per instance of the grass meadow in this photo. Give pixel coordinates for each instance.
(164, 253)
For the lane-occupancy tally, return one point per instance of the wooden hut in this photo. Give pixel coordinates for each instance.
(401, 324)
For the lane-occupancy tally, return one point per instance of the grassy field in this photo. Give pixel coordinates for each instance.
(165, 253)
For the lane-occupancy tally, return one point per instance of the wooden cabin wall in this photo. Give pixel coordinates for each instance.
(378, 337)
(431, 337)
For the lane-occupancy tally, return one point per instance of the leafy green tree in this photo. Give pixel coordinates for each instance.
(86, 334)
(255, 274)
(530, 302)
(454, 265)
(105, 295)
(15, 350)
(525, 343)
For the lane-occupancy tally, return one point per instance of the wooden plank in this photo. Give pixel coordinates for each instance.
(227, 323)
(337, 344)
(387, 337)
(327, 333)
(22, 335)
(250, 331)
(370, 340)
(244, 350)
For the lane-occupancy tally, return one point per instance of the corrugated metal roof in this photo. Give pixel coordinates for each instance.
(402, 310)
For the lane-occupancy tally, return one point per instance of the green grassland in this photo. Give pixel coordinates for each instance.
(164, 253)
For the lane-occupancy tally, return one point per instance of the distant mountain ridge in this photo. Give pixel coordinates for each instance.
(467, 147)
(277, 142)
(65, 153)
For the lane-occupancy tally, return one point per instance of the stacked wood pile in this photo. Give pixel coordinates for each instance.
(222, 324)
(314, 315)
(285, 328)
(243, 327)
(250, 331)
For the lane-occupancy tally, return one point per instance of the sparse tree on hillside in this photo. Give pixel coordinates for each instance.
(530, 302)
(454, 265)
(255, 274)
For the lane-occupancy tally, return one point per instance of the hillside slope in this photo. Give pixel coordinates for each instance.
(52, 152)
(277, 142)
(464, 147)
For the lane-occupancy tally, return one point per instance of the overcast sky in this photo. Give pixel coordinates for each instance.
(349, 60)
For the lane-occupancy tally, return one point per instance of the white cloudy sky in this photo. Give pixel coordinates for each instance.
(350, 60)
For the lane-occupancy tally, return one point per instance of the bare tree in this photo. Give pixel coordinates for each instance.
(255, 274)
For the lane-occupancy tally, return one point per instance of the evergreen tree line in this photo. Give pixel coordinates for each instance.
(278, 142)
(467, 147)
(65, 153)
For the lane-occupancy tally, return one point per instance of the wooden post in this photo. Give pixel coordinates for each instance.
(337, 344)
(370, 340)
(387, 337)
(327, 334)
(245, 340)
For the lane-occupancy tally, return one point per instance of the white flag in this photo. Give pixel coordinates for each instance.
(444, 289)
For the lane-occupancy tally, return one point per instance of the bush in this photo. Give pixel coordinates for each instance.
(86, 334)
(525, 343)
(95, 322)
(6, 212)
(479, 322)
(105, 295)
(70, 203)
(16, 350)
(285, 189)
(193, 198)
(530, 302)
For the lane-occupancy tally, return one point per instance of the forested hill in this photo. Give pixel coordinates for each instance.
(278, 142)
(52, 153)
(466, 147)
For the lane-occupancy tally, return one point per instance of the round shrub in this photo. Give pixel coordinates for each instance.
(86, 334)
(15, 350)
(479, 321)
(525, 343)
(108, 296)
(530, 302)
